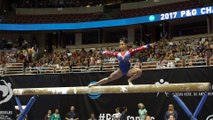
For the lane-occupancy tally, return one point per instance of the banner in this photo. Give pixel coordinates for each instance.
(7, 110)
(103, 105)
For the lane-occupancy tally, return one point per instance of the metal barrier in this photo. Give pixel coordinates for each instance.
(18, 68)
(211, 61)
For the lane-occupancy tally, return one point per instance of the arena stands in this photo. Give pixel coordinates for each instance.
(178, 53)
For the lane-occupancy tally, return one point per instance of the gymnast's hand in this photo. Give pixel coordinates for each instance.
(99, 52)
(152, 45)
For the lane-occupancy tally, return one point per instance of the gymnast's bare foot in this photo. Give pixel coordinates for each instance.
(91, 85)
(130, 83)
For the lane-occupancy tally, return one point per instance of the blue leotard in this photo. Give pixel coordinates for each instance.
(124, 59)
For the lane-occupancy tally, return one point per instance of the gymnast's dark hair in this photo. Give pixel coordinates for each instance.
(124, 39)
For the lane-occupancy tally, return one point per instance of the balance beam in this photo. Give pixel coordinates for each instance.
(116, 89)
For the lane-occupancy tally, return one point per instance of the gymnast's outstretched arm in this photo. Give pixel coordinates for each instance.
(141, 48)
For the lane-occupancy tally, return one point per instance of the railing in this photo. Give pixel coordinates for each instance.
(1, 70)
(18, 68)
(110, 66)
(196, 62)
(47, 70)
(149, 65)
(65, 69)
(202, 62)
(13, 68)
(79, 68)
(211, 61)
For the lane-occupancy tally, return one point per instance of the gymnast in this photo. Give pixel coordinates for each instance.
(124, 63)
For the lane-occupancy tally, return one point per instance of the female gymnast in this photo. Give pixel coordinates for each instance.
(124, 63)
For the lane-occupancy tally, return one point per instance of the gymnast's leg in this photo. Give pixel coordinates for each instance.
(133, 73)
(113, 76)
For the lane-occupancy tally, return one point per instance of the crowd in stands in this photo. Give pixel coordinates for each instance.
(200, 49)
(195, 49)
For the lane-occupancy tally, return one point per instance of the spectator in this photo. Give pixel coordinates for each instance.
(148, 118)
(138, 64)
(99, 61)
(48, 115)
(92, 116)
(161, 63)
(117, 114)
(142, 111)
(72, 114)
(151, 58)
(171, 111)
(171, 117)
(123, 114)
(56, 115)
(92, 61)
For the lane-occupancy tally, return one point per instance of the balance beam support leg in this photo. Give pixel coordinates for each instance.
(27, 109)
(184, 107)
(199, 107)
(19, 104)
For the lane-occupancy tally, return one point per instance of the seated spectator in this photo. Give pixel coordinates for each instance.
(169, 56)
(148, 118)
(143, 57)
(138, 64)
(171, 111)
(151, 58)
(112, 59)
(99, 61)
(171, 117)
(92, 61)
(72, 114)
(92, 116)
(170, 64)
(161, 63)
